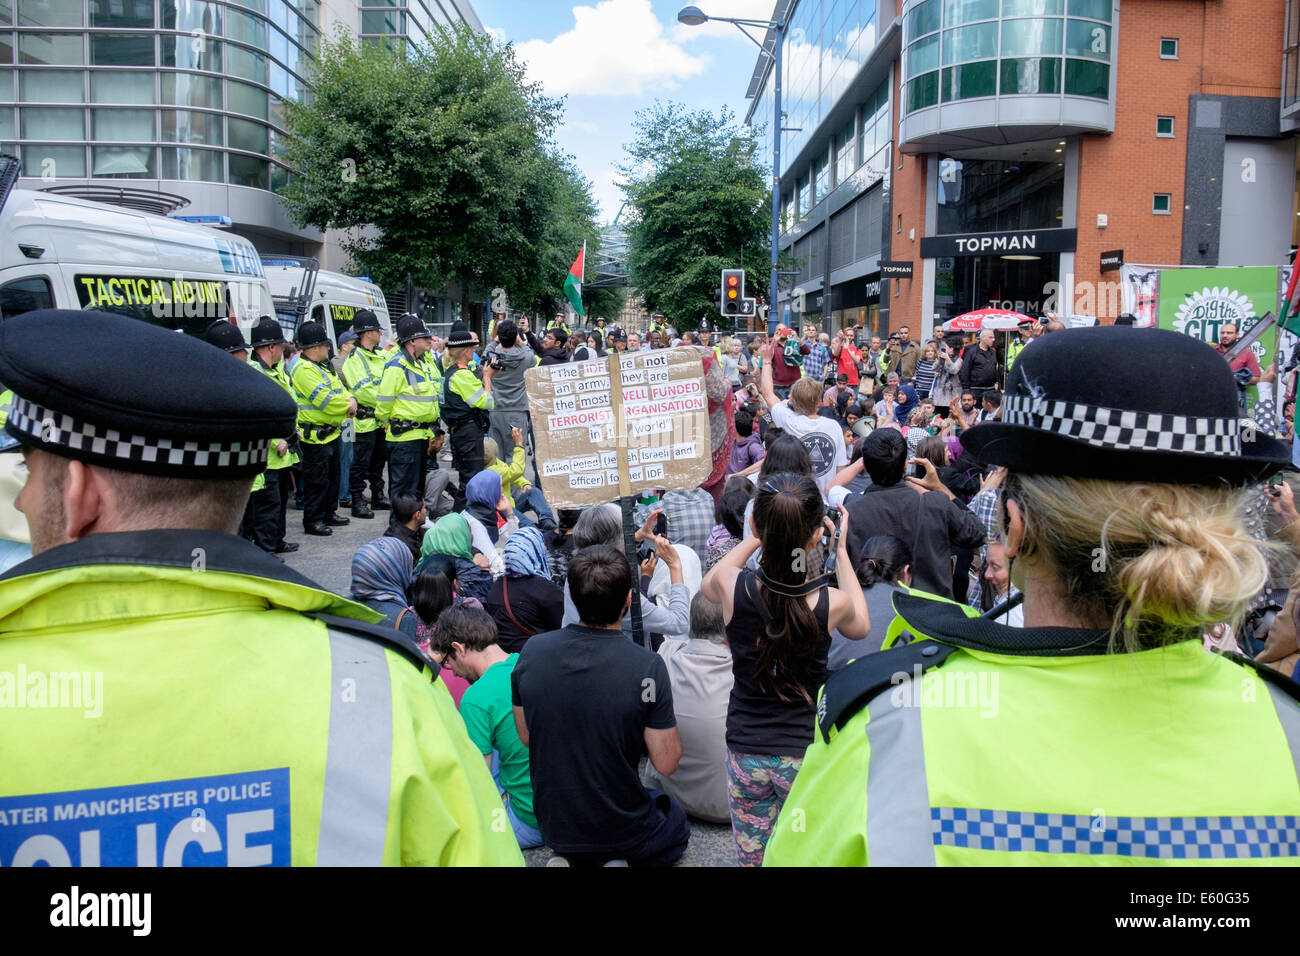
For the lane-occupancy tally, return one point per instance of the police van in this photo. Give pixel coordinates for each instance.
(57, 251)
(335, 297)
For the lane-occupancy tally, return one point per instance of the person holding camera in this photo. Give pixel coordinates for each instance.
(508, 358)
(947, 385)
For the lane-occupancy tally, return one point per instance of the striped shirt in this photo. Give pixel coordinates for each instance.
(924, 380)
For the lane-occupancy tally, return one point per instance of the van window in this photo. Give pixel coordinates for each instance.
(190, 305)
(342, 316)
(318, 315)
(25, 295)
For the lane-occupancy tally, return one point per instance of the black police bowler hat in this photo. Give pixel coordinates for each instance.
(1126, 405)
(78, 393)
(225, 336)
(268, 331)
(365, 321)
(311, 333)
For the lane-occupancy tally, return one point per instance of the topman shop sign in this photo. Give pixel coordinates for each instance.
(1028, 242)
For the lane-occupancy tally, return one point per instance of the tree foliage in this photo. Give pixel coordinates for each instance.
(443, 164)
(700, 203)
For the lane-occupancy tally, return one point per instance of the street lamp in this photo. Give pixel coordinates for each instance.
(693, 16)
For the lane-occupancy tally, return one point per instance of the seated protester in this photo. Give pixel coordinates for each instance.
(883, 569)
(699, 669)
(581, 709)
(964, 413)
(406, 522)
(747, 450)
(730, 529)
(524, 601)
(779, 620)
(382, 570)
(996, 587)
(520, 493)
(559, 544)
(436, 479)
(465, 643)
(932, 525)
(603, 525)
(852, 414)
(884, 410)
(490, 518)
(992, 406)
(798, 416)
(431, 594)
(447, 547)
(915, 430)
(907, 401)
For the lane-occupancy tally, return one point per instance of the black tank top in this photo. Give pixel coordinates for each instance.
(757, 720)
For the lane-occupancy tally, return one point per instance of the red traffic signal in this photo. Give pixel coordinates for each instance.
(733, 291)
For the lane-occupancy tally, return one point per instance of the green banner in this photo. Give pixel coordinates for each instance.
(1198, 302)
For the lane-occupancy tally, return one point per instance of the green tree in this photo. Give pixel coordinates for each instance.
(699, 203)
(441, 161)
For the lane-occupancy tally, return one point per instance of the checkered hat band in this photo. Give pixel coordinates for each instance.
(47, 427)
(1159, 838)
(1123, 429)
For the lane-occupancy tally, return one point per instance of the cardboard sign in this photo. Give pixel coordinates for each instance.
(616, 427)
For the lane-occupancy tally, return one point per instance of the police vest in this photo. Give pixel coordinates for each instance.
(1014, 350)
(934, 753)
(362, 372)
(183, 699)
(322, 402)
(464, 400)
(407, 402)
(275, 461)
(6, 399)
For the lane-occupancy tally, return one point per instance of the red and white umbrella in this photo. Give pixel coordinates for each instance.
(999, 320)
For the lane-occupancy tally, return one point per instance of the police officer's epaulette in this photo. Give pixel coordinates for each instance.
(850, 689)
(1279, 680)
(389, 637)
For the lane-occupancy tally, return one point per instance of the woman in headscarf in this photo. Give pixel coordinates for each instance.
(489, 517)
(382, 570)
(524, 601)
(447, 548)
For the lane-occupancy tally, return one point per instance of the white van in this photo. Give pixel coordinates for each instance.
(336, 297)
(61, 252)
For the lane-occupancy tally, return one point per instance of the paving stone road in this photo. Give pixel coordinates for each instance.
(328, 562)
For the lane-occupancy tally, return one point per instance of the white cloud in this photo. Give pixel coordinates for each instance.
(741, 9)
(604, 189)
(581, 126)
(496, 33)
(616, 48)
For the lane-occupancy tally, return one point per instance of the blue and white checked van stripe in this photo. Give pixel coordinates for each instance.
(1165, 838)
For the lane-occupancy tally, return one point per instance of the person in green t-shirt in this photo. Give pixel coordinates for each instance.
(466, 643)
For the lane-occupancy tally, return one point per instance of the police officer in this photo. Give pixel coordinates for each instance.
(1101, 732)
(227, 337)
(466, 402)
(231, 712)
(1017, 345)
(323, 405)
(361, 373)
(270, 505)
(407, 404)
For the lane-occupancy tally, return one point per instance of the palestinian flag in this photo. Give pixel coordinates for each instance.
(573, 282)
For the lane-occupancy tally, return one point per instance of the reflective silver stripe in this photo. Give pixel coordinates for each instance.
(1288, 715)
(418, 398)
(358, 762)
(475, 397)
(385, 398)
(899, 831)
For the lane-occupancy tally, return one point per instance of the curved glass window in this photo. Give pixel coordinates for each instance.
(1032, 8)
(248, 171)
(122, 125)
(121, 13)
(121, 86)
(54, 124)
(65, 162)
(242, 98)
(1031, 37)
(52, 86)
(923, 56)
(186, 89)
(923, 19)
(1038, 75)
(197, 52)
(253, 137)
(191, 15)
(965, 11)
(183, 126)
(1096, 9)
(247, 65)
(1084, 38)
(49, 13)
(1085, 78)
(196, 165)
(121, 49)
(51, 48)
(123, 162)
(971, 80)
(246, 28)
(977, 42)
(923, 91)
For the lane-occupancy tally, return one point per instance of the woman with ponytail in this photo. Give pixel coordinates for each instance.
(779, 624)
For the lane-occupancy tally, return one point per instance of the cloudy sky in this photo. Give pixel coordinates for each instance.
(612, 57)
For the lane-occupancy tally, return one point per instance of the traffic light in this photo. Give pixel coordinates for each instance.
(733, 291)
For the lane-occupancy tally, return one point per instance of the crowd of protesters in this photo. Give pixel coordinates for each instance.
(614, 706)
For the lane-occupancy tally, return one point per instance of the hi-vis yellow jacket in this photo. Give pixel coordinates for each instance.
(178, 698)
